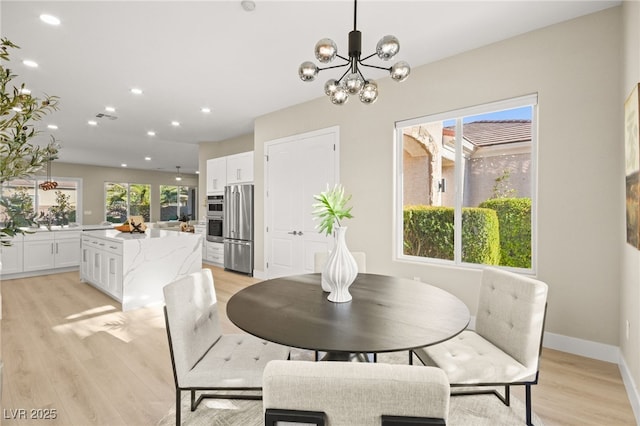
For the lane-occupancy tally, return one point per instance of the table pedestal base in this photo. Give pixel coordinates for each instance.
(346, 356)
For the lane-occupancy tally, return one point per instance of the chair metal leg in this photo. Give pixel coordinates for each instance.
(410, 357)
(527, 389)
(193, 400)
(178, 406)
(507, 395)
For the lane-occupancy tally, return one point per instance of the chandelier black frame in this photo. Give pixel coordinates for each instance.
(353, 82)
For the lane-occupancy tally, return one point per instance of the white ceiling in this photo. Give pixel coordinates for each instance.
(188, 54)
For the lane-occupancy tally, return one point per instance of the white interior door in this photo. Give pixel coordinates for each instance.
(297, 168)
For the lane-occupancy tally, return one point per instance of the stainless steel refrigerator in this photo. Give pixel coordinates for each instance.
(238, 228)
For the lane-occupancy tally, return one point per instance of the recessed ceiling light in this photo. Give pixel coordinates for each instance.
(123, 165)
(52, 127)
(109, 109)
(92, 123)
(175, 123)
(197, 172)
(248, 5)
(30, 63)
(25, 91)
(136, 91)
(49, 19)
(151, 133)
(147, 158)
(205, 110)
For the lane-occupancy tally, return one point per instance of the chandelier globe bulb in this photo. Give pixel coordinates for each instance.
(326, 50)
(400, 71)
(369, 93)
(387, 47)
(353, 83)
(331, 86)
(340, 96)
(307, 71)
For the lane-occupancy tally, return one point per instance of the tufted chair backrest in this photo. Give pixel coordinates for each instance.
(192, 317)
(511, 311)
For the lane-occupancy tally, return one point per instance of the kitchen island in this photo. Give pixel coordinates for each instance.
(133, 268)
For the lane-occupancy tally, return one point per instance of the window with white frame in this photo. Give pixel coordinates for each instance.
(126, 199)
(177, 202)
(25, 203)
(466, 185)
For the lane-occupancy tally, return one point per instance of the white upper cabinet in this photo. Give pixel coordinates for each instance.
(240, 168)
(216, 175)
(229, 170)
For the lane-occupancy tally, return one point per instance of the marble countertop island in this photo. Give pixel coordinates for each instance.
(150, 233)
(134, 267)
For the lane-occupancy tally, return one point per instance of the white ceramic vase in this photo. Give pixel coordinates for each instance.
(341, 269)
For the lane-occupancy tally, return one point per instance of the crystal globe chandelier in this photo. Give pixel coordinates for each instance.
(353, 82)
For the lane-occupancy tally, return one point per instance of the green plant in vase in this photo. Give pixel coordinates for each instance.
(331, 207)
(341, 269)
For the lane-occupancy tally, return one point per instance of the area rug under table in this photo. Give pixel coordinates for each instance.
(477, 410)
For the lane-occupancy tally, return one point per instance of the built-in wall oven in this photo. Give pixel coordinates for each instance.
(215, 205)
(215, 218)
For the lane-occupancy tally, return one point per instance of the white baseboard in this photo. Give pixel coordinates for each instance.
(259, 274)
(573, 345)
(631, 388)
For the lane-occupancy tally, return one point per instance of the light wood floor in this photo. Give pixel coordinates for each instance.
(67, 347)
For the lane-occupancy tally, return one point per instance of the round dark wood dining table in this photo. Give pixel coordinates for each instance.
(386, 314)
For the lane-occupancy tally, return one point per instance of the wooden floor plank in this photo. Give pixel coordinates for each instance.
(69, 347)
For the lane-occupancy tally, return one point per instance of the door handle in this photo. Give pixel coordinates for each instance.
(300, 233)
(294, 232)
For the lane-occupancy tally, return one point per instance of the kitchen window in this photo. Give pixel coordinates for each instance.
(126, 199)
(177, 202)
(466, 185)
(34, 202)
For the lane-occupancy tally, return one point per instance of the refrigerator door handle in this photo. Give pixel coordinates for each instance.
(237, 215)
(237, 242)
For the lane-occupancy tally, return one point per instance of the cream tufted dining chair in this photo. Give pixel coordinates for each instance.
(201, 356)
(504, 349)
(353, 393)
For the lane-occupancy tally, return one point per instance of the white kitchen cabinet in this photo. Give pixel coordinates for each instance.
(11, 256)
(240, 168)
(39, 251)
(112, 274)
(102, 264)
(216, 175)
(66, 249)
(214, 253)
(48, 250)
(229, 170)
